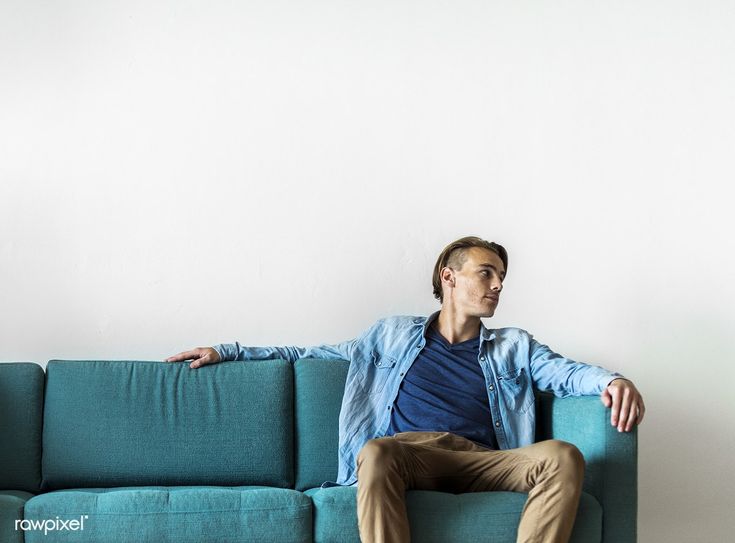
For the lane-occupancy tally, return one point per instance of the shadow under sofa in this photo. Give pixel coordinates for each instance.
(142, 451)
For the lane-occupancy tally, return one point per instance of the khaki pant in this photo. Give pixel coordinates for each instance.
(550, 471)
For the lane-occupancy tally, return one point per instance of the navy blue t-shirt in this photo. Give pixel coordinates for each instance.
(444, 391)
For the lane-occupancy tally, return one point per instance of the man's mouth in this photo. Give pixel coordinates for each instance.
(493, 298)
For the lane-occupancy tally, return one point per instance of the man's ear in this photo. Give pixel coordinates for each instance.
(447, 274)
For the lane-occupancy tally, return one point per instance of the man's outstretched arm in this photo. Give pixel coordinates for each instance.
(202, 356)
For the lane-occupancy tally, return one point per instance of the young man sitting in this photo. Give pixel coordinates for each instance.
(444, 403)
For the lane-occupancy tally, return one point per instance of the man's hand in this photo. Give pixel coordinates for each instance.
(626, 403)
(201, 356)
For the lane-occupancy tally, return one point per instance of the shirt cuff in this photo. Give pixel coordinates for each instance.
(610, 378)
(226, 351)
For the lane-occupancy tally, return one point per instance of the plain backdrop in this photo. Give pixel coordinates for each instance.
(179, 174)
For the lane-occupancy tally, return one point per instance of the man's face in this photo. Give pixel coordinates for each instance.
(477, 284)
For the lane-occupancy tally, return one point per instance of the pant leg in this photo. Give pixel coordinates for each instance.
(551, 472)
(382, 479)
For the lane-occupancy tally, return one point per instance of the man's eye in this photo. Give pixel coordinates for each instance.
(484, 272)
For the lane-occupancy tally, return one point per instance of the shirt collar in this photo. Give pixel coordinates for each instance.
(486, 334)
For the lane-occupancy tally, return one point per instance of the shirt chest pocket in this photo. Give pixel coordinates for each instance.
(379, 371)
(516, 390)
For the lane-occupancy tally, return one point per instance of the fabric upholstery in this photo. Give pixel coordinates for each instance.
(11, 509)
(192, 514)
(21, 411)
(130, 443)
(114, 423)
(443, 517)
(611, 457)
(318, 387)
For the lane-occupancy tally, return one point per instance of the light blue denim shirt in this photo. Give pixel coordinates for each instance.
(511, 360)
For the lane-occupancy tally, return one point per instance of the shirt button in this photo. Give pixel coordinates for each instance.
(482, 357)
(497, 424)
(389, 408)
(491, 387)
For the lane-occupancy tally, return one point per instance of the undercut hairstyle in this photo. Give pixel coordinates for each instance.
(454, 256)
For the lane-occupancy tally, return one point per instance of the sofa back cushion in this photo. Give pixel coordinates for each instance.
(319, 386)
(128, 423)
(21, 409)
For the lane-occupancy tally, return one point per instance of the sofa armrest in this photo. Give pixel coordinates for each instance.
(611, 473)
(21, 422)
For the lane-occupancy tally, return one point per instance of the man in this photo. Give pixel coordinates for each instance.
(444, 403)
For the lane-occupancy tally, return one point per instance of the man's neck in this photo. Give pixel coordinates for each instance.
(457, 328)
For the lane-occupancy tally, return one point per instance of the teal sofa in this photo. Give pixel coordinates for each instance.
(136, 451)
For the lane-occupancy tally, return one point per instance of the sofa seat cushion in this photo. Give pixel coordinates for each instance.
(11, 509)
(183, 514)
(443, 517)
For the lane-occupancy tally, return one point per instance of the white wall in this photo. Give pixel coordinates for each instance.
(177, 174)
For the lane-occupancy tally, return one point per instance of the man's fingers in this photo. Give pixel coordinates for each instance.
(178, 357)
(634, 415)
(606, 398)
(638, 409)
(627, 405)
(624, 410)
(203, 361)
(200, 356)
(615, 416)
(186, 355)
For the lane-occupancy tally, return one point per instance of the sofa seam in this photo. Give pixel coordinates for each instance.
(306, 506)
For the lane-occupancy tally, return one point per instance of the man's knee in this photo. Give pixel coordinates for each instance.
(567, 455)
(380, 454)
(378, 450)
